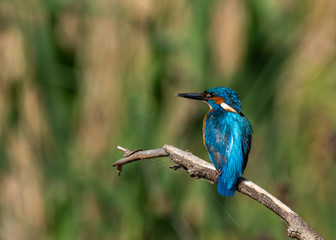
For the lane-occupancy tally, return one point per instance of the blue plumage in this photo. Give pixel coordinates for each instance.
(227, 135)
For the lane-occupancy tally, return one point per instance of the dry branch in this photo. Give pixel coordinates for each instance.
(198, 168)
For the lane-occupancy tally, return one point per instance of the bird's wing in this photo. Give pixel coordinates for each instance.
(221, 143)
(217, 141)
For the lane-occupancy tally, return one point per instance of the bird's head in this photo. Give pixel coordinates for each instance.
(217, 98)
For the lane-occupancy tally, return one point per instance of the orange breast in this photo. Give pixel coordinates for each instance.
(203, 128)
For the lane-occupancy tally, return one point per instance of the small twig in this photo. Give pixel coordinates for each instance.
(198, 168)
(131, 156)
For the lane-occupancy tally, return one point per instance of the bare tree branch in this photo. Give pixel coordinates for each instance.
(198, 168)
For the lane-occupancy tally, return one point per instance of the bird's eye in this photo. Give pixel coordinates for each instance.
(208, 95)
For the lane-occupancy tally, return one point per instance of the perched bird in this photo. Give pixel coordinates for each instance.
(227, 135)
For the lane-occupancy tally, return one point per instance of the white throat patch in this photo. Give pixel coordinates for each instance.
(227, 107)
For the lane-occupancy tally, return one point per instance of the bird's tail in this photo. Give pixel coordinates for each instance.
(224, 188)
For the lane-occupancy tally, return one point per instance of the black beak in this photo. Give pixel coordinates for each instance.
(196, 96)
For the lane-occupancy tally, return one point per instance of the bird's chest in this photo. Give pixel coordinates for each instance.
(220, 127)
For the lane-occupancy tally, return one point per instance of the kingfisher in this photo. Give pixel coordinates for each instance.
(227, 135)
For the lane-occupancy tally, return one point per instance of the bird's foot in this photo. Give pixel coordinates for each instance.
(219, 172)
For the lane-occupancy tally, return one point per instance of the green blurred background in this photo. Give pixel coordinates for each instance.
(78, 78)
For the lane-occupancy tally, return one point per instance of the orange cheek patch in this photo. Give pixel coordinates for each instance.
(218, 100)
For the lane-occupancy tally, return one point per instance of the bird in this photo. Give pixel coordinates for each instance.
(227, 135)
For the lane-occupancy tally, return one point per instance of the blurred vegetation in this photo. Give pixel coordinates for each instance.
(78, 78)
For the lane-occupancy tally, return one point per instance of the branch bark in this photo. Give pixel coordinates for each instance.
(198, 168)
